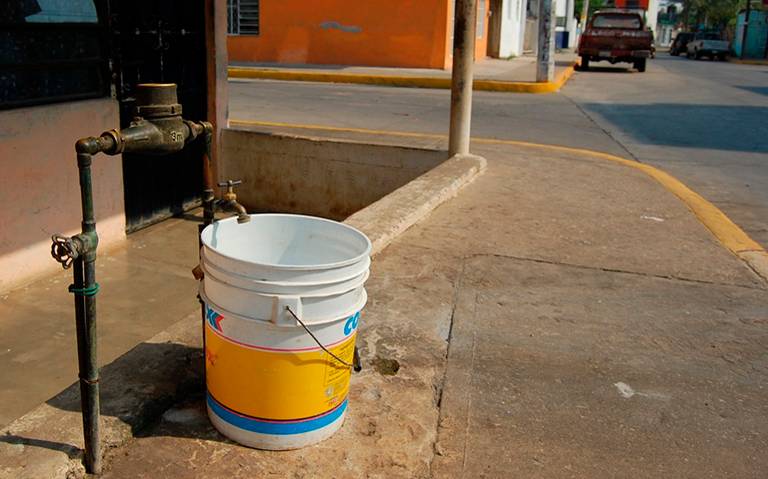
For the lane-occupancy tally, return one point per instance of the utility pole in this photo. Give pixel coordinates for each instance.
(545, 66)
(584, 15)
(464, 23)
(746, 27)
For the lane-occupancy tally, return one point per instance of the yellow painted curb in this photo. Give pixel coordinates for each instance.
(748, 62)
(722, 227)
(399, 80)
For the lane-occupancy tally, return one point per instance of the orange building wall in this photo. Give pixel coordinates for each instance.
(394, 33)
(481, 43)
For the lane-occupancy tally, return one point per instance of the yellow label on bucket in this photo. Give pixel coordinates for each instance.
(279, 385)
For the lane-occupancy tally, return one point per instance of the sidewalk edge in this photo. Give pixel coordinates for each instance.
(405, 81)
(389, 217)
(748, 61)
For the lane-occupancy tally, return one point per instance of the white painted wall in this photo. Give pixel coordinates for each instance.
(652, 15)
(565, 8)
(512, 28)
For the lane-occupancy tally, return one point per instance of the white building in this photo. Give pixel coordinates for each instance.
(566, 24)
(506, 28)
(520, 22)
(666, 20)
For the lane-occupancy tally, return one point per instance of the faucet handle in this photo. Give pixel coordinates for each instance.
(230, 186)
(230, 183)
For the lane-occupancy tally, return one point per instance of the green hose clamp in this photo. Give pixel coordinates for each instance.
(84, 291)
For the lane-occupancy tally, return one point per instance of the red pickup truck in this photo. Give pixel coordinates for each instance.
(616, 36)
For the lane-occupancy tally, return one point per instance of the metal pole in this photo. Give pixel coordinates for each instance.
(545, 65)
(465, 21)
(744, 32)
(584, 15)
(85, 289)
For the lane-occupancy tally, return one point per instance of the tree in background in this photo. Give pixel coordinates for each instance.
(710, 14)
(594, 5)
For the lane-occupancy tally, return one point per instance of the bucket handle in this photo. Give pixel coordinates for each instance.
(288, 308)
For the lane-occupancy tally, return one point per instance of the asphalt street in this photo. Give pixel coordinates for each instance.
(704, 122)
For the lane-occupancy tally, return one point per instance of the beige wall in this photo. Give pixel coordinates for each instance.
(39, 186)
(327, 178)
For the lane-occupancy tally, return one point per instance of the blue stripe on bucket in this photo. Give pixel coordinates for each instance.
(275, 427)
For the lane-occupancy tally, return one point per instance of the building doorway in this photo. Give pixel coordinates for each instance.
(159, 42)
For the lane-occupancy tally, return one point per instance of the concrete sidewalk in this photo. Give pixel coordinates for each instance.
(565, 316)
(38, 357)
(515, 75)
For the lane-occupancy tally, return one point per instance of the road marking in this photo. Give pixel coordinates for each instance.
(718, 223)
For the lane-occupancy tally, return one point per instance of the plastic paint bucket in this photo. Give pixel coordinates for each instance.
(270, 385)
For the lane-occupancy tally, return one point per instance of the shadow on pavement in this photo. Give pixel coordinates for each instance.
(136, 389)
(607, 69)
(717, 127)
(760, 90)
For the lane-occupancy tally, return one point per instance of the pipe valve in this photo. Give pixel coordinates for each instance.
(64, 250)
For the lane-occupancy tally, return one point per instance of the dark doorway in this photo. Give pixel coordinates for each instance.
(494, 28)
(159, 42)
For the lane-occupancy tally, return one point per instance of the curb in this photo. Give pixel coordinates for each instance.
(399, 80)
(728, 233)
(389, 217)
(748, 62)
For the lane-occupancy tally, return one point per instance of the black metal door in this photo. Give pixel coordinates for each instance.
(159, 42)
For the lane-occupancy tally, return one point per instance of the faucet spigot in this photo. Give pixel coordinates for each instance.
(229, 201)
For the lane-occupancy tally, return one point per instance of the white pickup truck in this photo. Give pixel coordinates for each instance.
(708, 45)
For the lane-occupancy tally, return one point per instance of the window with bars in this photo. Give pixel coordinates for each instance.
(243, 17)
(51, 51)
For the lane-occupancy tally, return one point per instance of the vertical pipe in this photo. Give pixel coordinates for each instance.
(584, 15)
(464, 24)
(85, 302)
(545, 65)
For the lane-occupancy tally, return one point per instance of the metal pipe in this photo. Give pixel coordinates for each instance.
(86, 291)
(545, 57)
(162, 131)
(465, 21)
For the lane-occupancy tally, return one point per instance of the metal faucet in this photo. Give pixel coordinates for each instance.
(227, 203)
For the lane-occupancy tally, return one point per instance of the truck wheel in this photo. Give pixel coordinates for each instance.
(687, 54)
(584, 64)
(640, 65)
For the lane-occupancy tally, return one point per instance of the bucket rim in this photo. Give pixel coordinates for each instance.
(293, 267)
(212, 272)
(207, 264)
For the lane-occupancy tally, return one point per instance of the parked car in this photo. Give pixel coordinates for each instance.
(680, 43)
(708, 45)
(615, 36)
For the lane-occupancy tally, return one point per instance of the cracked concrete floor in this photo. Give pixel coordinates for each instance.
(563, 317)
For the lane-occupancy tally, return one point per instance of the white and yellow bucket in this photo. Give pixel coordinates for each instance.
(283, 296)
